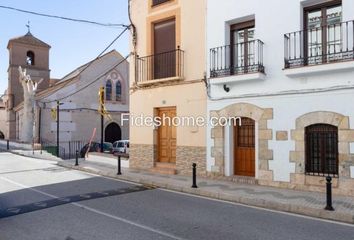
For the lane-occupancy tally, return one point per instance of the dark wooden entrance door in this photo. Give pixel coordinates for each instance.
(112, 133)
(244, 151)
(167, 137)
(164, 49)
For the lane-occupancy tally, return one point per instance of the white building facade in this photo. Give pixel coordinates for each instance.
(285, 69)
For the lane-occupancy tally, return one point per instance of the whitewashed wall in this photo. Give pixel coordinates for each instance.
(290, 97)
(79, 115)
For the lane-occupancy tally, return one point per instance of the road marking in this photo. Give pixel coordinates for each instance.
(259, 208)
(162, 233)
(22, 171)
(130, 222)
(54, 202)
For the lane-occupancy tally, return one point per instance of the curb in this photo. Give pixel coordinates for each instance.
(261, 203)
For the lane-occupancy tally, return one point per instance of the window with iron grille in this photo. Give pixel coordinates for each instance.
(321, 142)
(245, 132)
(157, 2)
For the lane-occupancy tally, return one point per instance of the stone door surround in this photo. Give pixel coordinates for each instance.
(261, 117)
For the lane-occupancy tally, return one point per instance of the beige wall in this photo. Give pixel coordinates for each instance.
(18, 53)
(187, 95)
(190, 32)
(191, 104)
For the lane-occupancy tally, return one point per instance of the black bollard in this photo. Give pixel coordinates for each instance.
(119, 166)
(77, 158)
(194, 175)
(7, 144)
(329, 206)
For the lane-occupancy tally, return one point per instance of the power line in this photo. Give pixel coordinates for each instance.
(89, 64)
(65, 18)
(86, 86)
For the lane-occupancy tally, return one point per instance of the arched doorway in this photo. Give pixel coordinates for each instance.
(112, 133)
(2, 136)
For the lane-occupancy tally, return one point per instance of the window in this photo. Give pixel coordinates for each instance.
(30, 58)
(321, 142)
(323, 32)
(158, 2)
(243, 55)
(108, 90)
(118, 91)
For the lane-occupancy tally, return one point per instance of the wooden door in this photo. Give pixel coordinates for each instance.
(167, 137)
(164, 49)
(244, 153)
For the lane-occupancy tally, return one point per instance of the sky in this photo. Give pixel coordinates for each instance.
(72, 43)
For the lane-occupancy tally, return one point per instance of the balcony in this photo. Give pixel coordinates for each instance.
(238, 59)
(317, 46)
(167, 66)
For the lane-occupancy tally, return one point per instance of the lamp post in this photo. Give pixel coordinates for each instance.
(102, 123)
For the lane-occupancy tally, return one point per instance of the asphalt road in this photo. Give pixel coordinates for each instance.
(39, 200)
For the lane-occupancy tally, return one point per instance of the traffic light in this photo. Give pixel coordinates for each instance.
(53, 113)
(101, 95)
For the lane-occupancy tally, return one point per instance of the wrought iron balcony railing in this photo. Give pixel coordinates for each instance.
(326, 44)
(159, 66)
(237, 59)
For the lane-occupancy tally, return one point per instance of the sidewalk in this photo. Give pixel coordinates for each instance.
(299, 202)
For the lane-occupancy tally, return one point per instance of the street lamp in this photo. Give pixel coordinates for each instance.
(58, 104)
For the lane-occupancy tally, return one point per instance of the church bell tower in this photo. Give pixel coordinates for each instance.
(32, 54)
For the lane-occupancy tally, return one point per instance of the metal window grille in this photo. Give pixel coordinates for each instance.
(245, 133)
(321, 142)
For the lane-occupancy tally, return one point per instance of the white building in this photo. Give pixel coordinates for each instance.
(77, 93)
(286, 68)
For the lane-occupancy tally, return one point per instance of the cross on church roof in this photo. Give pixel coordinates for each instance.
(28, 26)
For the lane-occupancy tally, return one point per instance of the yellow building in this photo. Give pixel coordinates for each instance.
(167, 81)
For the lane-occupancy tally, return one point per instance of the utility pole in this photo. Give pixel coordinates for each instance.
(58, 104)
(101, 100)
(58, 128)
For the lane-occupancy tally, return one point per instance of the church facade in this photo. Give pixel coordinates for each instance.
(77, 93)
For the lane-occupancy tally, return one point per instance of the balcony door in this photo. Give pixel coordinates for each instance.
(164, 49)
(323, 39)
(242, 47)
